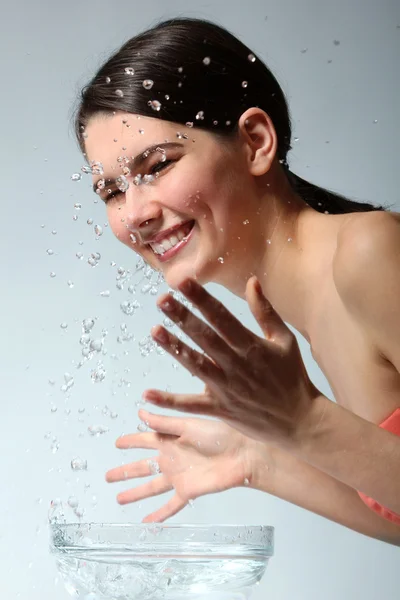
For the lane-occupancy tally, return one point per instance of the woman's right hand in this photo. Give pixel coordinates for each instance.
(196, 456)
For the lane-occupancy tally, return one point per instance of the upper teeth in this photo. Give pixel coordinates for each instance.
(169, 242)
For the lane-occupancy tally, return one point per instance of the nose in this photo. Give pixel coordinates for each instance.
(141, 213)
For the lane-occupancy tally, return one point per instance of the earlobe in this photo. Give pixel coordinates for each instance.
(260, 138)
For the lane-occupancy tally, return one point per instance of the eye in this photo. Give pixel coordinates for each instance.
(160, 166)
(113, 196)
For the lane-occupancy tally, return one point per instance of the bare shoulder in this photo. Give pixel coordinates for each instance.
(364, 241)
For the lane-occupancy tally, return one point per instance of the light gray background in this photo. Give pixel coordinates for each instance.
(48, 50)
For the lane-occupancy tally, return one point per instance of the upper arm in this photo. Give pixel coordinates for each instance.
(366, 271)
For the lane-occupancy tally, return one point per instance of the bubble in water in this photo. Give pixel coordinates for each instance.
(129, 71)
(122, 183)
(155, 105)
(251, 58)
(119, 93)
(50, 251)
(78, 464)
(206, 60)
(97, 430)
(76, 176)
(148, 84)
(98, 230)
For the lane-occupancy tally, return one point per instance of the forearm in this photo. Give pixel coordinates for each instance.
(295, 481)
(352, 450)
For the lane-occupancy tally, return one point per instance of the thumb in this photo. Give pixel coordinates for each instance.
(272, 326)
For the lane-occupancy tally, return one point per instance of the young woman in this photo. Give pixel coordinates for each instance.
(187, 134)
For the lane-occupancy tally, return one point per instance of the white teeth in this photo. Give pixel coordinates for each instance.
(168, 242)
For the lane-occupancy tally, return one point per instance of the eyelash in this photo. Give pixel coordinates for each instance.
(154, 169)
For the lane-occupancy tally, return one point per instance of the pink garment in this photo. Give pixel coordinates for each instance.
(392, 424)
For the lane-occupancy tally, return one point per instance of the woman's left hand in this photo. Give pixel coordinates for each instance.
(259, 386)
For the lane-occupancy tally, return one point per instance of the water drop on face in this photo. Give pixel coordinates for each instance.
(129, 71)
(251, 58)
(246, 482)
(290, 239)
(155, 105)
(96, 167)
(220, 259)
(122, 183)
(119, 93)
(76, 177)
(141, 131)
(206, 60)
(78, 464)
(148, 84)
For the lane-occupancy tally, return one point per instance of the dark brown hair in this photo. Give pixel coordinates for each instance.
(201, 74)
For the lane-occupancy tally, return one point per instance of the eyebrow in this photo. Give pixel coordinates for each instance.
(140, 159)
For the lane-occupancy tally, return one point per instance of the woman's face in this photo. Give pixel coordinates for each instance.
(198, 190)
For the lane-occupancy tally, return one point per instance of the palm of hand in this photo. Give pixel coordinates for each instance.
(195, 456)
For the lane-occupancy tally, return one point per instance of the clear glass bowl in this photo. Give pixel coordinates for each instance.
(102, 561)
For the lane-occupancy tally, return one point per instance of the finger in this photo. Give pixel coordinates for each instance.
(199, 404)
(162, 424)
(155, 487)
(200, 332)
(272, 326)
(140, 468)
(147, 441)
(228, 326)
(171, 508)
(196, 363)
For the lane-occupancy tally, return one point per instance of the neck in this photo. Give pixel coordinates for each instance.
(292, 250)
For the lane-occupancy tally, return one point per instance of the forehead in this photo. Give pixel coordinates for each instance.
(109, 135)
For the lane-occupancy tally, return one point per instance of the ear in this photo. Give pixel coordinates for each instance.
(258, 135)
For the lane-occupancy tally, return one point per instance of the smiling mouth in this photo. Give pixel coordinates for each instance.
(172, 242)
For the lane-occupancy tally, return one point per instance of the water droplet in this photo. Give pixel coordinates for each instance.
(119, 93)
(98, 230)
(105, 294)
(129, 71)
(246, 481)
(336, 42)
(375, 120)
(96, 167)
(76, 177)
(290, 239)
(246, 222)
(206, 60)
(191, 503)
(97, 430)
(50, 251)
(200, 115)
(251, 58)
(54, 232)
(122, 183)
(79, 255)
(108, 79)
(220, 259)
(89, 221)
(142, 427)
(244, 84)
(73, 502)
(52, 274)
(101, 184)
(189, 124)
(78, 464)
(268, 241)
(97, 375)
(87, 324)
(64, 325)
(148, 84)
(155, 105)
(154, 467)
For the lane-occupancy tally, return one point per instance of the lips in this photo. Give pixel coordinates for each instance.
(171, 252)
(168, 232)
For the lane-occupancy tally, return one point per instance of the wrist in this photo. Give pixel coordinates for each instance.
(259, 464)
(312, 426)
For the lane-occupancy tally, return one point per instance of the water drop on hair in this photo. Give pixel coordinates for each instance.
(200, 115)
(119, 93)
(206, 60)
(155, 105)
(251, 58)
(129, 71)
(148, 84)
(108, 79)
